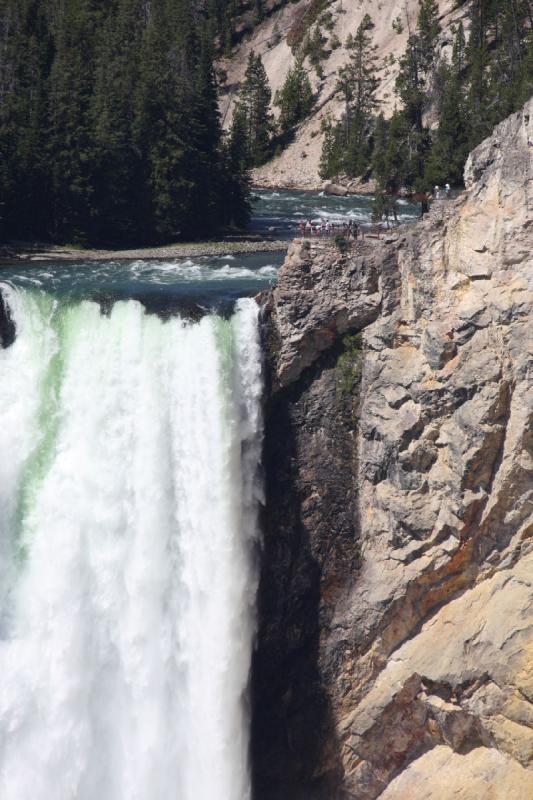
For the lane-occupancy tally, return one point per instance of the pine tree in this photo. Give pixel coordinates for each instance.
(379, 152)
(428, 30)
(360, 73)
(478, 57)
(450, 147)
(384, 206)
(413, 85)
(237, 192)
(254, 106)
(118, 166)
(525, 78)
(417, 64)
(313, 47)
(332, 156)
(206, 134)
(25, 58)
(398, 162)
(295, 98)
(357, 83)
(71, 146)
(510, 31)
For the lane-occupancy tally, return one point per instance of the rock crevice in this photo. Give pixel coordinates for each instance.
(403, 506)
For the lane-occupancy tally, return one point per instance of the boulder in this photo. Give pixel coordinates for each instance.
(335, 189)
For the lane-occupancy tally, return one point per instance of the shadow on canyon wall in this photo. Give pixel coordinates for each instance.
(310, 553)
(7, 326)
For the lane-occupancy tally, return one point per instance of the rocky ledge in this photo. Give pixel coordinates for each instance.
(395, 647)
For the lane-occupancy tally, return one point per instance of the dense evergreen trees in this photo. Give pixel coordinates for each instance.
(347, 147)
(110, 130)
(109, 122)
(295, 98)
(413, 86)
(485, 79)
(252, 117)
(451, 140)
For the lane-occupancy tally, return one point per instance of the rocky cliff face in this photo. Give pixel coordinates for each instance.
(395, 655)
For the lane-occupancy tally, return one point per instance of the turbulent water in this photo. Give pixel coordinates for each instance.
(130, 437)
(213, 282)
(128, 458)
(278, 213)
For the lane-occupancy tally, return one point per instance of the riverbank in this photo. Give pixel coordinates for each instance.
(45, 252)
(342, 188)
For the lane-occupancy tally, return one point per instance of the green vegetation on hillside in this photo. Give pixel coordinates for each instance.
(295, 98)
(110, 130)
(485, 80)
(252, 121)
(109, 122)
(347, 146)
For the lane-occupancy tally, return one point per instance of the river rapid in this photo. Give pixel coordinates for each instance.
(130, 446)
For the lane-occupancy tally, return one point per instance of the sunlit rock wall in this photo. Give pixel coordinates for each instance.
(395, 653)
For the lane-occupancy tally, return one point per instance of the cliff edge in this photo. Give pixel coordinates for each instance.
(395, 649)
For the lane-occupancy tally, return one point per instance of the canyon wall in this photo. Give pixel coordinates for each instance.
(297, 165)
(395, 645)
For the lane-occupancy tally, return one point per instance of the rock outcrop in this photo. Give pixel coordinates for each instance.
(395, 650)
(7, 326)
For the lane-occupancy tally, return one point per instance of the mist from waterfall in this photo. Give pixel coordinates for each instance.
(129, 452)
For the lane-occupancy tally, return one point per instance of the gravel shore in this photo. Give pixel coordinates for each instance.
(190, 250)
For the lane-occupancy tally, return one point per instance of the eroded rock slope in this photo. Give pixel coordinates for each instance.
(297, 166)
(395, 654)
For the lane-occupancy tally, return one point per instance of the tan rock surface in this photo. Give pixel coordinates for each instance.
(426, 649)
(441, 774)
(297, 166)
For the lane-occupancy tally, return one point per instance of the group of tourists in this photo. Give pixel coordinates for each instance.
(442, 194)
(350, 230)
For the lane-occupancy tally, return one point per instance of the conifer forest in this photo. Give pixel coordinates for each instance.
(111, 131)
(109, 124)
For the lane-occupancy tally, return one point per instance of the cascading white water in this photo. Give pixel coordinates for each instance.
(129, 449)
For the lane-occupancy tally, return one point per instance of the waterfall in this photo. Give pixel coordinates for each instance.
(129, 449)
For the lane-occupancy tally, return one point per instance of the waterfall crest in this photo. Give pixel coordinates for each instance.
(128, 502)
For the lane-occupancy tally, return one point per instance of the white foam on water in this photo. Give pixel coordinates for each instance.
(190, 271)
(129, 451)
(269, 271)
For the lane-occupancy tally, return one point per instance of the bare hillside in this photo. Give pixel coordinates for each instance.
(297, 166)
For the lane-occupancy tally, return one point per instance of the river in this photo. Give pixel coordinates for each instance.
(278, 213)
(130, 445)
(200, 282)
